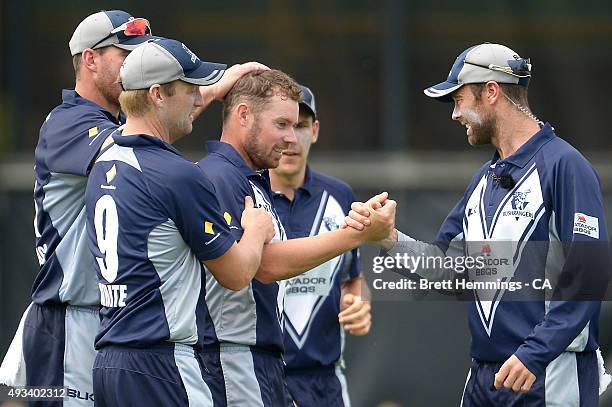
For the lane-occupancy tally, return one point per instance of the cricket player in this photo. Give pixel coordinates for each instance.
(54, 342)
(58, 328)
(153, 221)
(245, 343)
(543, 198)
(310, 203)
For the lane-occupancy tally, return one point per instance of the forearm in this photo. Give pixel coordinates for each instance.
(251, 245)
(208, 96)
(286, 259)
(421, 251)
(237, 267)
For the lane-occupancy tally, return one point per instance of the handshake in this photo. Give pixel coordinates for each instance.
(375, 220)
(367, 222)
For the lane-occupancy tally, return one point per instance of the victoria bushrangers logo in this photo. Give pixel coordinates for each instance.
(330, 223)
(519, 202)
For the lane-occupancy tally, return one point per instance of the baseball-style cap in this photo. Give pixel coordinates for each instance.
(162, 61)
(480, 64)
(106, 28)
(309, 100)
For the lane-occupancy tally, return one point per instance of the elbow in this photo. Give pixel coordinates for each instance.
(265, 277)
(235, 283)
(266, 274)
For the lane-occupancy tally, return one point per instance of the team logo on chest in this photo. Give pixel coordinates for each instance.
(519, 204)
(330, 223)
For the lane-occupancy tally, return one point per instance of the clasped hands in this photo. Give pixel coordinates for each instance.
(378, 213)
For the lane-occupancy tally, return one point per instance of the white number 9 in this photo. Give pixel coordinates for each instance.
(106, 223)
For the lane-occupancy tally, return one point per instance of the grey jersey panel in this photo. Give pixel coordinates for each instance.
(64, 201)
(181, 275)
(555, 261)
(234, 313)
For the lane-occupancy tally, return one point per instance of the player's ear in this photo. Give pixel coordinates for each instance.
(243, 112)
(88, 60)
(492, 91)
(315, 131)
(155, 96)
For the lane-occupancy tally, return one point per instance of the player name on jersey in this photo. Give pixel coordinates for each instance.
(113, 295)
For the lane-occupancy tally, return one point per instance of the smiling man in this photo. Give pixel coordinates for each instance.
(153, 221)
(58, 328)
(541, 195)
(310, 203)
(245, 346)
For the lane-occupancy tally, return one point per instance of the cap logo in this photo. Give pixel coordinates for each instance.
(193, 56)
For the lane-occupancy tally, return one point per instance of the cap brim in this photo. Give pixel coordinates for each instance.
(442, 91)
(206, 74)
(132, 43)
(305, 105)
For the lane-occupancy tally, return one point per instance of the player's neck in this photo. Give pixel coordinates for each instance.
(90, 93)
(512, 132)
(228, 136)
(287, 183)
(146, 125)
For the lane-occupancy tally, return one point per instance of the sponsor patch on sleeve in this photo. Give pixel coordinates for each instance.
(586, 225)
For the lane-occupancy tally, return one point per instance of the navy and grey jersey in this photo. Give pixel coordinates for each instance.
(152, 218)
(70, 138)
(557, 200)
(313, 335)
(251, 316)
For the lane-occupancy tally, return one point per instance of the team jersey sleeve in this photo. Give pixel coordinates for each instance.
(354, 269)
(448, 243)
(231, 193)
(578, 222)
(71, 145)
(198, 215)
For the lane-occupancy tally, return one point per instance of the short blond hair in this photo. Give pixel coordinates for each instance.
(136, 102)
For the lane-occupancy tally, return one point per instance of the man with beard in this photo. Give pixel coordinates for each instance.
(54, 342)
(245, 345)
(153, 221)
(58, 327)
(537, 188)
(310, 203)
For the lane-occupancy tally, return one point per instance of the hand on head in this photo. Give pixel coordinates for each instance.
(232, 74)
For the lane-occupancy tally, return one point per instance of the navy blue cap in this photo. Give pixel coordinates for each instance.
(309, 100)
(165, 60)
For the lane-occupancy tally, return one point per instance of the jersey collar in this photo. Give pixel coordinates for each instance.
(71, 97)
(309, 184)
(228, 152)
(526, 152)
(143, 140)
